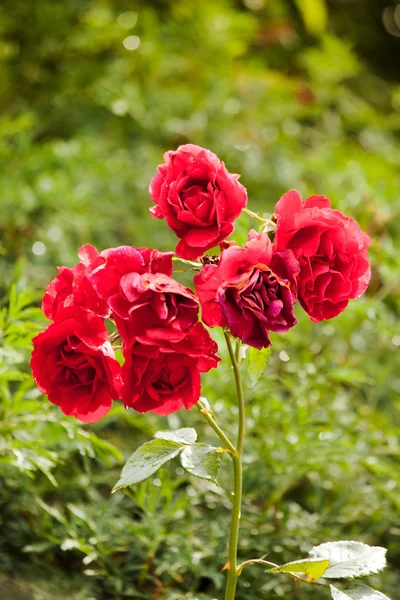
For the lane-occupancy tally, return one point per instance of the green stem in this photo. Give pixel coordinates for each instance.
(237, 352)
(209, 416)
(238, 478)
(254, 215)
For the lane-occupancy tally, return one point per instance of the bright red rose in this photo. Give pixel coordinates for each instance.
(72, 287)
(117, 262)
(251, 290)
(73, 363)
(141, 294)
(153, 301)
(156, 261)
(331, 250)
(198, 198)
(163, 376)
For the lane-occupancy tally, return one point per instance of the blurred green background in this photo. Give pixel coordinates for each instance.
(289, 93)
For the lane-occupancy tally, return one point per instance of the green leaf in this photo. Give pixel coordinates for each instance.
(315, 15)
(38, 547)
(202, 461)
(257, 363)
(53, 511)
(350, 559)
(186, 435)
(361, 592)
(314, 569)
(147, 460)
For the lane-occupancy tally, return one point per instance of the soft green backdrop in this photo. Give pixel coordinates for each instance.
(302, 94)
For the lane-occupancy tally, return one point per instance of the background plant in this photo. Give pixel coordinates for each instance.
(84, 122)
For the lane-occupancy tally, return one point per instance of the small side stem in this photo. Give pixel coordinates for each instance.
(210, 419)
(260, 561)
(254, 215)
(238, 478)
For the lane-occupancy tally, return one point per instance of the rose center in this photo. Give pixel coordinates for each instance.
(77, 368)
(260, 292)
(170, 380)
(197, 198)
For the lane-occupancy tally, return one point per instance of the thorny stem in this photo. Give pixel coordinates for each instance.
(238, 477)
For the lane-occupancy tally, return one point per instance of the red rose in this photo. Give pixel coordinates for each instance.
(198, 197)
(117, 262)
(252, 290)
(72, 287)
(141, 294)
(162, 376)
(331, 250)
(73, 364)
(152, 301)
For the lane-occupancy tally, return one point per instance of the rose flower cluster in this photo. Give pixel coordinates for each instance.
(318, 256)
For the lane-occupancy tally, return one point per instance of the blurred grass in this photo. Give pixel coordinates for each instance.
(287, 97)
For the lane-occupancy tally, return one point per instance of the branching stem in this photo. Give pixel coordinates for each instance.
(236, 455)
(208, 414)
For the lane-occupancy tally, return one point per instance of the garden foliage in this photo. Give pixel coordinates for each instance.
(289, 101)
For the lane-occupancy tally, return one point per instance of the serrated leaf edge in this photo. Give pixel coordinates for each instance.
(372, 571)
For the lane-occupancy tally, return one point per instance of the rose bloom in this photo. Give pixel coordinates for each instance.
(251, 290)
(153, 300)
(73, 363)
(75, 287)
(72, 287)
(163, 376)
(198, 198)
(117, 262)
(141, 294)
(331, 250)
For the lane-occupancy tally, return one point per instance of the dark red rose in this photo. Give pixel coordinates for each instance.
(252, 291)
(198, 198)
(153, 301)
(163, 376)
(73, 363)
(72, 287)
(331, 250)
(117, 262)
